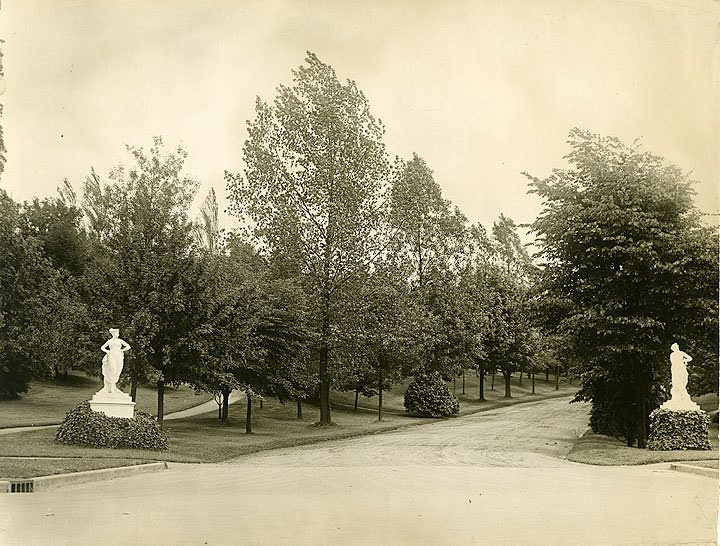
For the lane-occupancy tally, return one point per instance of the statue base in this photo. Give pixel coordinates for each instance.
(680, 404)
(678, 430)
(115, 404)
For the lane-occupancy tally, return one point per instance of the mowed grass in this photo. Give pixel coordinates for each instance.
(520, 390)
(602, 450)
(12, 468)
(204, 438)
(47, 402)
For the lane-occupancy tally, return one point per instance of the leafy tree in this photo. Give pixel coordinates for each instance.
(58, 227)
(313, 190)
(504, 273)
(628, 272)
(430, 243)
(3, 151)
(139, 222)
(378, 328)
(56, 224)
(430, 236)
(32, 303)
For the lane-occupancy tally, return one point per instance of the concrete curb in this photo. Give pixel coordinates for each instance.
(45, 483)
(699, 470)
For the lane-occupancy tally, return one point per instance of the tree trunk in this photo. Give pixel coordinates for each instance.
(133, 391)
(261, 403)
(642, 427)
(547, 375)
(492, 383)
(481, 386)
(507, 377)
(520, 381)
(532, 376)
(357, 393)
(160, 401)
(325, 417)
(248, 416)
(463, 381)
(225, 404)
(454, 385)
(380, 392)
(299, 408)
(557, 378)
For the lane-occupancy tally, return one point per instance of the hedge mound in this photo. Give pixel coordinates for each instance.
(678, 430)
(429, 396)
(85, 427)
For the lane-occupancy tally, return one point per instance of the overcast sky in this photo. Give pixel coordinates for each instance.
(482, 90)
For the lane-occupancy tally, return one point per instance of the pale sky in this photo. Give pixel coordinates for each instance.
(482, 90)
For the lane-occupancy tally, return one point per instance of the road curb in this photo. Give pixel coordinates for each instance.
(45, 483)
(699, 470)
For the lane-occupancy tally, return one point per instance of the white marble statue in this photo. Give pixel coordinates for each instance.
(112, 363)
(679, 397)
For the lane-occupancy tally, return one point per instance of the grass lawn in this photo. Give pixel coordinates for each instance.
(47, 402)
(469, 403)
(203, 438)
(603, 450)
(31, 468)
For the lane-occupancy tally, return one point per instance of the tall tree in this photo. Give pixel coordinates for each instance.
(430, 236)
(628, 272)
(313, 189)
(140, 220)
(33, 305)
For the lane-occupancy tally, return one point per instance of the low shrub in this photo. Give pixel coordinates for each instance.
(678, 430)
(429, 396)
(85, 427)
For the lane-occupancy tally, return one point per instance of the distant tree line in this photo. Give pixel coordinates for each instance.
(352, 272)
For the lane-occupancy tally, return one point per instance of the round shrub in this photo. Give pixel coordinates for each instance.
(429, 396)
(672, 430)
(85, 427)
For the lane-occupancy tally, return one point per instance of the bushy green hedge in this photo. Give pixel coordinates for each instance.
(429, 396)
(673, 430)
(85, 427)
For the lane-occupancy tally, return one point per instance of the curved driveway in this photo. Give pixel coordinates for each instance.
(489, 478)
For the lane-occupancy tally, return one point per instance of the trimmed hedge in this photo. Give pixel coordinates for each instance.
(678, 430)
(429, 396)
(85, 427)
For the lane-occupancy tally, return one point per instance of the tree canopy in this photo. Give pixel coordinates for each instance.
(628, 271)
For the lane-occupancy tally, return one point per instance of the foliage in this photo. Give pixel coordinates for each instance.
(503, 276)
(429, 396)
(629, 269)
(313, 190)
(430, 236)
(671, 430)
(85, 427)
(377, 326)
(32, 305)
(142, 278)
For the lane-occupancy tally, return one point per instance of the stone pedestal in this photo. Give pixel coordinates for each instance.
(681, 403)
(678, 430)
(116, 404)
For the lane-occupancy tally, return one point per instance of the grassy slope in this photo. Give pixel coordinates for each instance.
(47, 402)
